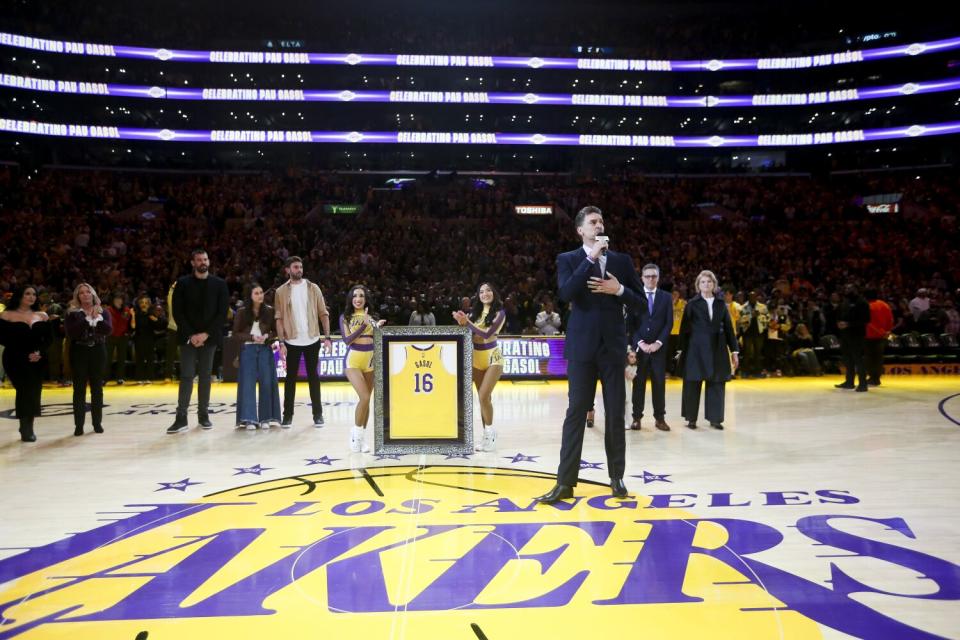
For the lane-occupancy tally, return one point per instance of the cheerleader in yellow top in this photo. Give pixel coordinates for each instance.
(357, 331)
(486, 319)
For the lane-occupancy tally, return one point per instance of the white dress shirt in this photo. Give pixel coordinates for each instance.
(646, 297)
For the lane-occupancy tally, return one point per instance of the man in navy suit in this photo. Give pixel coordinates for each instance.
(651, 324)
(589, 279)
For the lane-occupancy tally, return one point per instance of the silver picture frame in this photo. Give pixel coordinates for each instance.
(383, 442)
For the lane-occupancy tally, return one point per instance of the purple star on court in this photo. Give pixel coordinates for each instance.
(179, 485)
(521, 458)
(388, 456)
(590, 465)
(255, 470)
(653, 477)
(322, 460)
(462, 456)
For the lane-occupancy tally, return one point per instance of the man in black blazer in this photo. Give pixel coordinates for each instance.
(589, 279)
(651, 326)
(200, 310)
(852, 319)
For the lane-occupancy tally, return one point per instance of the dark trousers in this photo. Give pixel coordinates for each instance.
(873, 359)
(673, 346)
(195, 362)
(65, 359)
(776, 354)
(55, 359)
(88, 364)
(143, 351)
(311, 353)
(851, 349)
(713, 405)
(117, 347)
(159, 351)
(805, 363)
(582, 386)
(27, 379)
(653, 366)
(218, 363)
(171, 354)
(753, 354)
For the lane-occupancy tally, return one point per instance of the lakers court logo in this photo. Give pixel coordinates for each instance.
(465, 552)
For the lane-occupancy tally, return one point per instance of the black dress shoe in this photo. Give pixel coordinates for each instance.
(717, 425)
(204, 422)
(97, 428)
(844, 385)
(78, 431)
(862, 388)
(179, 425)
(28, 437)
(558, 493)
(617, 488)
(691, 425)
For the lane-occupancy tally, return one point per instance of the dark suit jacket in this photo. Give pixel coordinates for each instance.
(596, 325)
(704, 342)
(650, 328)
(196, 313)
(857, 314)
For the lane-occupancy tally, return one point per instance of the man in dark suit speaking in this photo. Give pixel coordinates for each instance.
(596, 283)
(650, 331)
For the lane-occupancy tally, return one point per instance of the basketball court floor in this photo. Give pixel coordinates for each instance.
(817, 513)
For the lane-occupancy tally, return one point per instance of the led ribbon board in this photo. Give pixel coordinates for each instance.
(447, 60)
(33, 127)
(475, 97)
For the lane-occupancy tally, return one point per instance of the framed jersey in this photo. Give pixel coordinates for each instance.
(423, 390)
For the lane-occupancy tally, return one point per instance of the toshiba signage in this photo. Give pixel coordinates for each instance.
(534, 209)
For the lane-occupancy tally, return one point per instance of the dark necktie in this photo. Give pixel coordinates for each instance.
(650, 302)
(595, 270)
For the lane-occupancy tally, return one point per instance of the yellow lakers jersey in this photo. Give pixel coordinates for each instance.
(423, 391)
(354, 322)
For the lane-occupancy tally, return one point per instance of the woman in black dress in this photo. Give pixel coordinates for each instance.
(25, 332)
(708, 344)
(88, 326)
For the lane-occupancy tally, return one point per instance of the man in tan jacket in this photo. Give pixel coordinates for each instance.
(301, 312)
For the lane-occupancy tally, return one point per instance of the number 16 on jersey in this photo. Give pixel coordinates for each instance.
(422, 382)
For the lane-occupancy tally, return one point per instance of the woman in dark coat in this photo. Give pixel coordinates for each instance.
(88, 326)
(707, 342)
(25, 334)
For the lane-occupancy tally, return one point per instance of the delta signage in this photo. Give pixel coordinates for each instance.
(343, 209)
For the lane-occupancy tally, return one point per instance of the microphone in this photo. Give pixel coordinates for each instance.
(606, 241)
